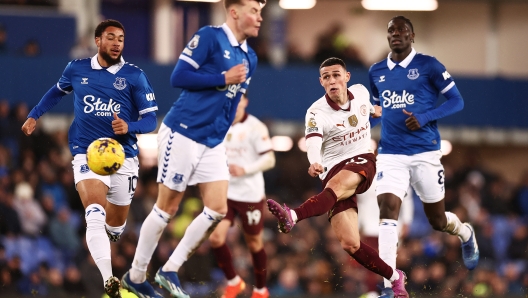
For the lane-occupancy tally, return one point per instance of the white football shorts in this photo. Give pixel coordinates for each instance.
(182, 161)
(423, 171)
(122, 185)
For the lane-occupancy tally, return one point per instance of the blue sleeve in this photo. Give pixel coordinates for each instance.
(64, 83)
(374, 121)
(146, 124)
(186, 76)
(453, 104)
(143, 95)
(373, 89)
(48, 101)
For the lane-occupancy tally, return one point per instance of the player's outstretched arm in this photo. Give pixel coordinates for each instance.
(48, 101)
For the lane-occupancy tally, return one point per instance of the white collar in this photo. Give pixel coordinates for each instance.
(405, 61)
(112, 69)
(232, 39)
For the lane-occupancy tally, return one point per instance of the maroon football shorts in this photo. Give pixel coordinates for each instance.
(363, 164)
(249, 213)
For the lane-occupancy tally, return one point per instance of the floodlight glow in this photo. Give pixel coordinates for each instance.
(302, 144)
(297, 4)
(282, 143)
(402, 5)
(445, 147)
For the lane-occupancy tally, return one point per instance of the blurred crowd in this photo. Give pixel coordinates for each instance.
(43, 251)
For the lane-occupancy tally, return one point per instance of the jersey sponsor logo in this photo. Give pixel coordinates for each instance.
(84, 81)
(187, 52)
(99, 107)
(150, 96)
(353, 120)
(413, 74)
(352, 136)
(120, 83)
(363, 110)
(381, 79)
(84, 169)
(397, 101)
(446, 75)
(178, 178)
(193, 44)
(226, 54)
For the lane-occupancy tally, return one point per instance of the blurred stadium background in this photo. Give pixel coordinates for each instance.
(481, 42)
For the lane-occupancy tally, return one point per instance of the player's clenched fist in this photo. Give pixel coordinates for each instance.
(315, 169)
(119, 125)
(29, 126)
(236, 75)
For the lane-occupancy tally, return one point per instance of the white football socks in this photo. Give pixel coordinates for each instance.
(233, 282)
(97, 240)
(293, 215)
(116, 230)
(455, 227)
(388, 244)
(149, 236)
(197, 232)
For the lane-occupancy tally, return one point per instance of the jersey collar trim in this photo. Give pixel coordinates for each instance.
(112, 69)
(405, 61)
(335, 106)
(232, 39)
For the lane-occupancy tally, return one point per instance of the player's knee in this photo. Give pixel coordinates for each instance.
(350, 245)
(254, 244)
(216, 240)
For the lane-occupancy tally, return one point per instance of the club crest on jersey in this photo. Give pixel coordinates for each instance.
(413, 74)
(84, 169)
(379, 176)
(353, 120)
(120, 83)
(228, 137)
(363, 110)
(193, 44)
(246, 65)
(178, 178)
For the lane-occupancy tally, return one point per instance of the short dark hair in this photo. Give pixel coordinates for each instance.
(406, 20)
(228, 3)
(333, 61)
(108, 23)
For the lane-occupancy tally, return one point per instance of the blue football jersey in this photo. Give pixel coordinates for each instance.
(205, 115)
(98, 92)
(414, 85)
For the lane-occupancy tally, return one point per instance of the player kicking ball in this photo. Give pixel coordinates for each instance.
(338, 147)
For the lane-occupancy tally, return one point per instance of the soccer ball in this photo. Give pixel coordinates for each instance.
(105, 156)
